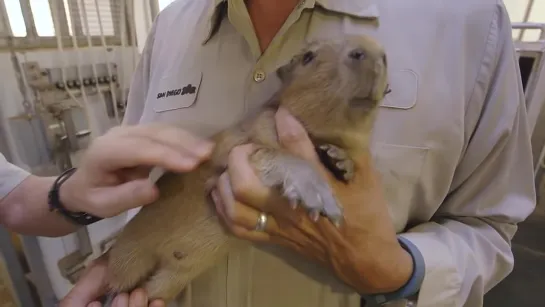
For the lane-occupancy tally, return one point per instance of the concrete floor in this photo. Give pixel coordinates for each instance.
(525, 287)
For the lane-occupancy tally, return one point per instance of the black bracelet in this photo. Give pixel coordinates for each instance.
(55, 204)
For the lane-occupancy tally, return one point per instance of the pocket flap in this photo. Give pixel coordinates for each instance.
(404, 90)
(176, 92)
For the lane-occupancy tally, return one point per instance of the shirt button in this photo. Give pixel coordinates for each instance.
(259, 76)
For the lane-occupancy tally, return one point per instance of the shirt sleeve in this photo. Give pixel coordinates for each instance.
(467, 245)
(138, 90)
(10, 176)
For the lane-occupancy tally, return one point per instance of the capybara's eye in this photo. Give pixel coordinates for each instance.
(308, 57)
(357, 54)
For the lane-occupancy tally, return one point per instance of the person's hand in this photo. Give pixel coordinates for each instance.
(92, 285)
(363, 252)
(113, 175)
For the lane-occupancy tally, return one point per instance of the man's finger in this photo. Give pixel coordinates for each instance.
(246, 186)
(121, 300)
(133, 152)
(236, 216)
(138, 298)
(123, 197)
(90, 286)
(174, 137)
(293, 136)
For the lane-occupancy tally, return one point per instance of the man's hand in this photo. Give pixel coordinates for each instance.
(92, 285)
(363, 252)
(113, 176)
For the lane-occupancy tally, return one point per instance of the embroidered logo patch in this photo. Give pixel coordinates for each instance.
(188, 89)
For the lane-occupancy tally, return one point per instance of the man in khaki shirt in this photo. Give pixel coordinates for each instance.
(451, 141)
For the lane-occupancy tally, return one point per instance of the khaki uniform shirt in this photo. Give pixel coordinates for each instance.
(10, 176)
(451, 139)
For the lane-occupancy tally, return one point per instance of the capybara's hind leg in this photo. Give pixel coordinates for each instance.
(179, 268)
(127, 270)
(166, 284)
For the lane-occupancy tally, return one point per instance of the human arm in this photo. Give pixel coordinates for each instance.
(25, 210)
(112, 178)
(23, 203)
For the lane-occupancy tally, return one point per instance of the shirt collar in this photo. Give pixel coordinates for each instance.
(356, 8)
(215, 16)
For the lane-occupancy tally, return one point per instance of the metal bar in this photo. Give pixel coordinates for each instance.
(4, 147)
(528, 11)
(154, 5)
(15, 270)
(32, 34)
(4, 18)
(529, 26)
(70, 130)
(148, 18)
(58, 5)
(84, 241)
(23, 44)
(38, 275)
(27, 105)
(128, 11)
(75, 14)
(115, 9)
(529, 8)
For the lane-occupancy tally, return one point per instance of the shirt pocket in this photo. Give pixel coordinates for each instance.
(403, 84)
(400, 146)
(400, 167)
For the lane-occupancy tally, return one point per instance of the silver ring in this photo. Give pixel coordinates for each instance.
(261, 222)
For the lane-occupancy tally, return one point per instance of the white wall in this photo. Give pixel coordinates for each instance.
(517, 10)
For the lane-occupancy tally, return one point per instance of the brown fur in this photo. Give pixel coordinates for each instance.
(335, 96)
